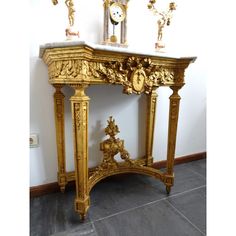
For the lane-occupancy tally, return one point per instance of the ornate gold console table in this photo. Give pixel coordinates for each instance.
(79, 65)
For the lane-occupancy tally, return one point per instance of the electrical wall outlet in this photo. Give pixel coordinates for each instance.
(34, 140)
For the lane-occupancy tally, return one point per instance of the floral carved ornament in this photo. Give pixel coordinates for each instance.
(136, 75)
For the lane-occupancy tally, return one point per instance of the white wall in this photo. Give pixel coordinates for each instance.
(184, 36)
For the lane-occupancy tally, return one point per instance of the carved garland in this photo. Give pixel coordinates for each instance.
(136, 75)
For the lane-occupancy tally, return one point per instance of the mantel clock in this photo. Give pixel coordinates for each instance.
(115, 19)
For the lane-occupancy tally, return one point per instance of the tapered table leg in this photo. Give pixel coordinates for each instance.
(80, 110)
(60, 136)
(172, 131)
(151, 114)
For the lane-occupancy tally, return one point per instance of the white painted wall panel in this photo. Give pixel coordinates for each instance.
(184, 36)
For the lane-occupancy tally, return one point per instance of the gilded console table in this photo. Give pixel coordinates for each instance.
(79, 65)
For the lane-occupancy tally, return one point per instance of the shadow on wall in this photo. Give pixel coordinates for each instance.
(142, 126)
(43, 162)
(194, 133)
(105, 101)
(96, 136)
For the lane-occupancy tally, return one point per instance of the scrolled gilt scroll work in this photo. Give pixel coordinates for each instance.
(136, 75)
(110, 166)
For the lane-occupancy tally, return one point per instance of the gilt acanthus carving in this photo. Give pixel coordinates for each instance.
(110, 148)
(65, 69)
(179, 75)
(136, 75)
(110, 166)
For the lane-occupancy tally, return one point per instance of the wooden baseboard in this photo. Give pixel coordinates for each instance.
(181, 160)
(53, 187)
(40, 190)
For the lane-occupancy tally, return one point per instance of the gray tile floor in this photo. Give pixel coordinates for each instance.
(129, 205)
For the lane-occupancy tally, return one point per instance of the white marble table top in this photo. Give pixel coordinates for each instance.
(109, 48)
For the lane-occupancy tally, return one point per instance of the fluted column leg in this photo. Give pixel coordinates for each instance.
(124, 29)
(80, 110)
(151, 114)
(172, 132)
(60, 136)
(106, 22)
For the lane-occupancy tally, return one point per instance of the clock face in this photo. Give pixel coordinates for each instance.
(117, 12)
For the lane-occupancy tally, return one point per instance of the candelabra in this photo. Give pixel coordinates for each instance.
(164, 18)
(70, 33)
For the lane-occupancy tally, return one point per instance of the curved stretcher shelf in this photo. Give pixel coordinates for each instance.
(102, 174)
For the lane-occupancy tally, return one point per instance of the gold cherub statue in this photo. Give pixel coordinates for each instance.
(71, 16)
(164, 18)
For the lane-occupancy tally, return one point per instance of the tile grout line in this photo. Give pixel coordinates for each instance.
(194, 171)
(130, 209)
(187, 191)
(134, 208)
(94, 228)
(146, 204)
(80, 225)
(197, 173)
(185, 217)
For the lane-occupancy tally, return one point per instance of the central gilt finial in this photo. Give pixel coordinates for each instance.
(112, 129)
